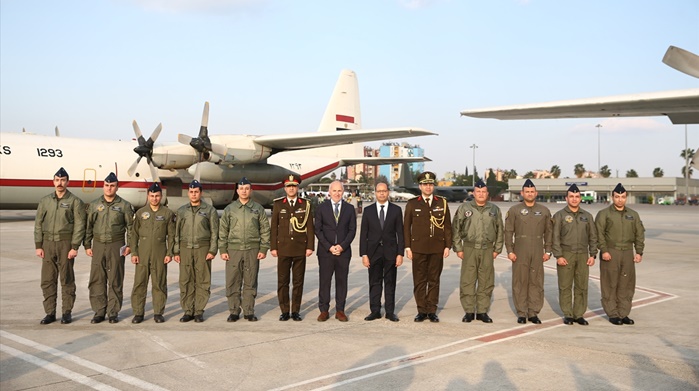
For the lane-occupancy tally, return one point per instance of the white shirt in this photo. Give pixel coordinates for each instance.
(378, 209)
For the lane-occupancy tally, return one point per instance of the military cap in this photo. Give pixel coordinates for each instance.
(574, 188)
(111, 178)
(426, 177)
(480, 184)
(195, 184)
(244, 181)
(61, 173)
(292, 180)
(619, 189)
(155, 188)
(528, 183)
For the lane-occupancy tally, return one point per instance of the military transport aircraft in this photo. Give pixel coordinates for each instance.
(680, 106)
(28, 161)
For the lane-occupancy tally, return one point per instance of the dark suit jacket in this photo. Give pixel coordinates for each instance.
(330, 233)
(375, 242)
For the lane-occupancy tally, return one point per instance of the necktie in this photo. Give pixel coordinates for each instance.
(382, 216)
(429, 202)
(292, 202)
(337, 211)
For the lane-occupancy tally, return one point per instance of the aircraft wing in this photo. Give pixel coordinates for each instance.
(324, 139)
(378, 161)
(681, 106)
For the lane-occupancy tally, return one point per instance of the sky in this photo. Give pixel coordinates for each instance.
(91, 67)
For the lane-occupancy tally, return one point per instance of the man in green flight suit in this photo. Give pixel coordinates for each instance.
(528, 230)
(153, 239)
(477, 239)
(59, 229)
(575, 249)
(196, 244)
(107, 241)
(620, 231)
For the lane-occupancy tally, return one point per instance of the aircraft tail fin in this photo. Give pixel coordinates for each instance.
(405, 180)
(343, 111)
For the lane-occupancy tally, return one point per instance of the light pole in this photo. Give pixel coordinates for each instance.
(473, 182)
(686, 167)
(599, 164)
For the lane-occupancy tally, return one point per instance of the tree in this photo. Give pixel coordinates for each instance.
(687, 155)
(555, 171)
(529, 175)
(490, 182)
(691, 171)
(658, 172)
(382, 178)
(605, 172)
(579, 170)
(509, 174)
(631, 173)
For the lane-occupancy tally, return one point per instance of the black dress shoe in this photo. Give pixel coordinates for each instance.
(392, 317)
(535, 319)
(373, 316)
(198, 318)
(250, 318)
(484, 318)
(567, 320)
(186, 318)
(296, 317)
(97, 319)
(627, 320)
(433, 317)
(420, 317)
(521, 320)
(233, 318)
(616, 321)
(158, 318)
(468, 317)
(581, 321)
(113, 319)
(284, 316)
(48, 319)
(137, 319)
(66, 318)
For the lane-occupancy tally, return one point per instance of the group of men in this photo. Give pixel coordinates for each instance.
(110, 230)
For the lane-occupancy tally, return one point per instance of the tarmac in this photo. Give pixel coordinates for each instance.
(659, 352)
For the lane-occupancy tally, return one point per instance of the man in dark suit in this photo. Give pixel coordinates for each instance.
(335, 226)
(381, 246)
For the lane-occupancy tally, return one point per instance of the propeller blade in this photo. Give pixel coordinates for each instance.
(133, 167)
(197, 172)
(219, 149)
(58, 132)
(205, 116)
(682, 60)
(155, 134)
(184, 139)
(136, 129)
(154, 173)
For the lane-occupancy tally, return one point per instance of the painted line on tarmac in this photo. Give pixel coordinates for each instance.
(159, 341)
(82, 362)
(57, 369)
(488, 339)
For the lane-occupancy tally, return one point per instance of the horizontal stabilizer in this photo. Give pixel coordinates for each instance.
(378, 161)
(319, 139)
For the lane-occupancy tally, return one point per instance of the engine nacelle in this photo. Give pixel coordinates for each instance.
(255, 172)
(177, 156)
(242, 149)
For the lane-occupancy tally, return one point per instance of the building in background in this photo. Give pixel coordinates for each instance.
(392, 171)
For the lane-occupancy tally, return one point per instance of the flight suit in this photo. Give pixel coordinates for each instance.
(153, 240)
(244, 232)
(196, 234)
(528, 234)
(427, 231)
(292, 234)
(478, 232)
(109, 226)
(575, 239)
(58, 228)
(619, 233)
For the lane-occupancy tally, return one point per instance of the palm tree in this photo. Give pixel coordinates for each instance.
(529, 175)
(555, 171)
(658, 172)
(691, 171)
(687, 155)
(631, 173)
(579, 170)
(605, 172)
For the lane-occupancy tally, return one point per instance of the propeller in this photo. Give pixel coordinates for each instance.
(682, 60)
(202, 143)
(58, 133)
(145, 149)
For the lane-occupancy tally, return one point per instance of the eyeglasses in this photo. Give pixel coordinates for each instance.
(382, 191)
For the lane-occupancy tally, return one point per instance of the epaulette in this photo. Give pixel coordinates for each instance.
(279, 199)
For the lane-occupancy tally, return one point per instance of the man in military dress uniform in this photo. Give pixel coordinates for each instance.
(243, 239)
(292, 241)
(59, 230)
(620, 231)
(107, 241)
(575, 249)
(428, 238)
(153, 239)
(196, 244)
(478, 238)
(528, 232)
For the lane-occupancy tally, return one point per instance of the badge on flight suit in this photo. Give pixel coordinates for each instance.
(145, 215)
(100, 208)
(569, 219)
(468, 213)
(524, 212)
(64, 205)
